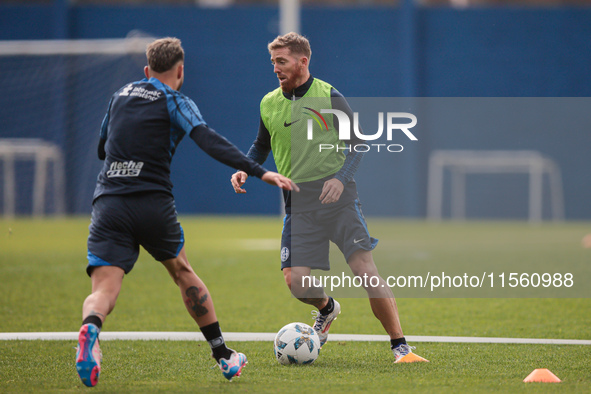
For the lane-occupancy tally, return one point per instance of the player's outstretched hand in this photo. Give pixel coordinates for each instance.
(283, 182)
(237, 180)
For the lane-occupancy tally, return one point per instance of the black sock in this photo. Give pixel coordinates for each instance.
(213, 336)
(328, 308)
(396, 342)
(93, 319)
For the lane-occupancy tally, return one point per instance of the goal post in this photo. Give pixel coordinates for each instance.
(116, 46)
(55, 94)
(463, 162)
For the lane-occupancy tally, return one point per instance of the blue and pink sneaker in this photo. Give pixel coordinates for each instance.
(88, 355)
(232, 367)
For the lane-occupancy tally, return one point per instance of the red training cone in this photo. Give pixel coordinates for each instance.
(542, 375)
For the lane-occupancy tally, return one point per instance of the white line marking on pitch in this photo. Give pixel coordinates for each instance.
(259, 244)
(269, 336)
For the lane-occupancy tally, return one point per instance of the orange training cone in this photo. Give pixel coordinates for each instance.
(411, 358)
(542, 375)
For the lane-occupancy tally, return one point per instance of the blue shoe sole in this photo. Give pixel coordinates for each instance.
(87, 367)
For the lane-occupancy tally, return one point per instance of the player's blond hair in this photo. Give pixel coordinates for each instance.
(296, 43)
(164, 53)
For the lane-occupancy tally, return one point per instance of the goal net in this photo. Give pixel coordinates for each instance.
(54, 96)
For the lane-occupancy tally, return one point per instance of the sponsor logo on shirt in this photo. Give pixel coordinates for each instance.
(125, 169)
(138, 91)
(285, 124)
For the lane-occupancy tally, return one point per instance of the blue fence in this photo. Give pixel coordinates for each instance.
(364, 52)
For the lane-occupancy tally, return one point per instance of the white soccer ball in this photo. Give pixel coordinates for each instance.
(296, 343)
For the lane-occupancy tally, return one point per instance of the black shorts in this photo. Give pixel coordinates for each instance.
(306, 236)
(121, 223)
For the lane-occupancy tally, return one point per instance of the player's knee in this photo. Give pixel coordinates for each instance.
(178, 268)
(361, 263)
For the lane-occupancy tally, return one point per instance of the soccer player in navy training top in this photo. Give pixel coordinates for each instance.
(133, 202)
(327, 208)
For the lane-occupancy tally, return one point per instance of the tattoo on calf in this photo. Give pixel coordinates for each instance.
(100, 315)
(195, 302)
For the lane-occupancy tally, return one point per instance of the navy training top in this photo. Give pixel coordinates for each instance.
(145, 122)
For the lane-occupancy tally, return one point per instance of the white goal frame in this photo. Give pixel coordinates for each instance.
(463, 162)
(115, 46)
(44, 153)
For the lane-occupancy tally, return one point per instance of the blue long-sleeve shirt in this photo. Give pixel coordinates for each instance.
(145, 122)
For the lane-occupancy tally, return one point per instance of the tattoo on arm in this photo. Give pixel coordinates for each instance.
(195, 301)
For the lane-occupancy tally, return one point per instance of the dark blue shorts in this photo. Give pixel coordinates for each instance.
(121, 223)
(306, 236)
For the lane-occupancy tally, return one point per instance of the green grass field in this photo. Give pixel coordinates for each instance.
(43, 283)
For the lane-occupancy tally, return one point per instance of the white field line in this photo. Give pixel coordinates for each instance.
(269, 336)
(258, 244)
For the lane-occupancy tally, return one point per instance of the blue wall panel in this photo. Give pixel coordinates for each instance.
(364, 52)
(26, 22)
(505, 52)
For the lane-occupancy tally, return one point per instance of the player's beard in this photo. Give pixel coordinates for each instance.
(295, 80)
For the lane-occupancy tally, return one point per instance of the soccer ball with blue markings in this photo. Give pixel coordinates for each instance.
(296, 343)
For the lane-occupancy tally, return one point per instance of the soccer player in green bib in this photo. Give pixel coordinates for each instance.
(327, 207)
